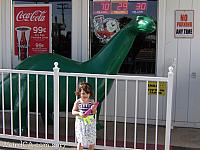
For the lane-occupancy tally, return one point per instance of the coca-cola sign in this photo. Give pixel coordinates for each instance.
(37, 15)
(32, 34)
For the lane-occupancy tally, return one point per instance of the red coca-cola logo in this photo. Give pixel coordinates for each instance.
(37, 15)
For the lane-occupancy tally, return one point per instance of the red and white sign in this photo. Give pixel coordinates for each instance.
(184, 23)
(32, 30)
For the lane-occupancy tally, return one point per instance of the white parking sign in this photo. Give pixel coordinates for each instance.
(184, 24)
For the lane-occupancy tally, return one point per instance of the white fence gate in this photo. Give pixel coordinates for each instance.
(61, 133)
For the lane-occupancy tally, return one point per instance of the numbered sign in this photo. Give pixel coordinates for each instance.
(119, 7)
(137, 7)
(101, 7)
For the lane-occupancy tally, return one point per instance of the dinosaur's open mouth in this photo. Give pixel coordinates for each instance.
(148, 29)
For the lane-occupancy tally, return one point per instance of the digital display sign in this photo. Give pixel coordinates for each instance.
(119, 7)
(101, 7)
(137, 7)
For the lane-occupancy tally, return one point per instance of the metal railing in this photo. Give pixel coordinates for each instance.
(25, 77)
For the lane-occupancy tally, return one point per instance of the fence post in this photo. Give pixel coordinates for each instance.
(56, 104)
(169, 108)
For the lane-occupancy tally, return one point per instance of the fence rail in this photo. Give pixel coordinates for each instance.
(21, 90)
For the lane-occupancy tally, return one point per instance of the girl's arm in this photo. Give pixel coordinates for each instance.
(75, 110)
(94, 108)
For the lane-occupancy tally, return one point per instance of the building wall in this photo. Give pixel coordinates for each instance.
(183, 52)
(5, 34)
(186, 52)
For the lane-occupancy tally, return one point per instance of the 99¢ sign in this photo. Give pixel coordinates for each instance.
(32, 24)
(39, 30)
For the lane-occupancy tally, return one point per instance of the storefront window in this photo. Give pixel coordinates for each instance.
(61, 24)
(142, 56)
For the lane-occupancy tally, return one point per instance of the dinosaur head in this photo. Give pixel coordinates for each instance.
(145, 24)
(142, 24)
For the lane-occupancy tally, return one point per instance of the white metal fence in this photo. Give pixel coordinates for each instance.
(61, 132)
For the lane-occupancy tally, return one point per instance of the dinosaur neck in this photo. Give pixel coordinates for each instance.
(112, 55)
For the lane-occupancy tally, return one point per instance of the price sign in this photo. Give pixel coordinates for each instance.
(119, 7)
(137, 7)
(39, 30)
(101, 7)
(32, 24)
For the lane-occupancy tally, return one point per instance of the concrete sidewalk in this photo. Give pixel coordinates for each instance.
(181, 138)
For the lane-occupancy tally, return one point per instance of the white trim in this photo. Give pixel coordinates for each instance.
(6, 33)
(80, 30)
(85, 30)
(76, 30)
(160, 50)
(1, 54)
(3, 32)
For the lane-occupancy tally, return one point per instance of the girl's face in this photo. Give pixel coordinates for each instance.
(84, 95)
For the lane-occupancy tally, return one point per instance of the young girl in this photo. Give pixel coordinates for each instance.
(85, 126)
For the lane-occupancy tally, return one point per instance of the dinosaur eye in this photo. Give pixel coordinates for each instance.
(139, 18)
(142, 22)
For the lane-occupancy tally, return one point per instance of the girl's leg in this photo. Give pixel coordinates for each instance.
(79, 147)
(91, 147)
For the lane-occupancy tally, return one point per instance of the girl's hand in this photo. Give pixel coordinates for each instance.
(82, 115)
(94, 109)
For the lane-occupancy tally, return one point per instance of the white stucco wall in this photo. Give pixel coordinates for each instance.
(5, 34)
(186, 98)
(186, 51)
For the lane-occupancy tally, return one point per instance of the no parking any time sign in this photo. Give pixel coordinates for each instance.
(184, 24)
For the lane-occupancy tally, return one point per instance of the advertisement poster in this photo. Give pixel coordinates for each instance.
(184, 24)
(32, 30)
(105, 28)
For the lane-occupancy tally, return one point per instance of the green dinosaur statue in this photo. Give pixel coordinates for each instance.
(107, 61)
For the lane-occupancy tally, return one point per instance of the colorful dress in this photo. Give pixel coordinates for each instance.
(85, 128)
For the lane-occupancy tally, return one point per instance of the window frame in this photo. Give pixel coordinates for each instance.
(160, 39)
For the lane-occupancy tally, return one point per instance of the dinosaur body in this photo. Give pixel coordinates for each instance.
(107, 61)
